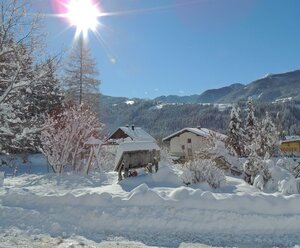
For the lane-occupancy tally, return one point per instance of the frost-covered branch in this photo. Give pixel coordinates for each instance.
(66, 135)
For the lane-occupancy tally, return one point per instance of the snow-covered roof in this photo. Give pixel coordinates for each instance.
(136, 134)
(204, 132)
(134, 146)
(291, 138)
(93, 141)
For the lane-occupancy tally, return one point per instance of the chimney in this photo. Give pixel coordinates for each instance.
(132, 127)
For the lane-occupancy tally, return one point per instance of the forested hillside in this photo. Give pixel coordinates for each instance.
(162, 119)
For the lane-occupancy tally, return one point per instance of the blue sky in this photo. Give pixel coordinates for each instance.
(184, 48)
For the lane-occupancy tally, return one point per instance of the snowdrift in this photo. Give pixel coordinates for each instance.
(141, 208)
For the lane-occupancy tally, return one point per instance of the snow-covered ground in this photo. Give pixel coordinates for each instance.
(47, 210)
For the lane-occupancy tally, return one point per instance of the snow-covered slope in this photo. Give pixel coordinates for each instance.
(156, 210)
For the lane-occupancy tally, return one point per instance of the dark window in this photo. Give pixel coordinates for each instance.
(182, 147)
(189, 141)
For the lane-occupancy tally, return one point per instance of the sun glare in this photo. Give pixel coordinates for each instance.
(82, 14)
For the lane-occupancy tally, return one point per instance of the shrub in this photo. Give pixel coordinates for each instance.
(199, 171)
(290, 164)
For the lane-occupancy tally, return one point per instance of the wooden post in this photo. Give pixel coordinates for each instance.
(89, 161)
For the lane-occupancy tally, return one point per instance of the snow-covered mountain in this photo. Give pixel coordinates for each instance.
(275, 93)
(270, 88)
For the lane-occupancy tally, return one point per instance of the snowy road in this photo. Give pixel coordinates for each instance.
(145, 211)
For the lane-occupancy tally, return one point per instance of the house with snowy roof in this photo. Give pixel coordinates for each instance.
(135, 149)
(128, 134)
(185, 143)
(291, 145)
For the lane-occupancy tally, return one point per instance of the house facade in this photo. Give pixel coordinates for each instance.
(291, 146)
(184, 144)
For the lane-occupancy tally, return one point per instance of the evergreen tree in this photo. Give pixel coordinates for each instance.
(250, 127)
(16, 76)
(80, 78)
(48, 94)
(235, 139)
(40, 98)
(20, 77)
(267, 137)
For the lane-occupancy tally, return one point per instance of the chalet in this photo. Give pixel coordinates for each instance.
(129, 133)
(291, 145)
(184, 144)
(136, 149)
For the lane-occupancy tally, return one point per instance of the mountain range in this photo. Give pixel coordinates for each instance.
(273, 87)
(279, 94)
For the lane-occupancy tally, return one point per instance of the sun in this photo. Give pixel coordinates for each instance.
(83, 15)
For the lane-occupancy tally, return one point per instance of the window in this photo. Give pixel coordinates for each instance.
(182, 147)
(189, 141)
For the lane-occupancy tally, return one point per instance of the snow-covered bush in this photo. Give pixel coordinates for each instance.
(255, 166)
(199, 171)
(217, 151)
(282, 180)
(105, 158)
(259, 182)
(290, 164)
(65, 136)
(278, 180)
(224, 159)
(290, 186)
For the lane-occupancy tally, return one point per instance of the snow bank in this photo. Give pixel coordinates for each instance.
(154, 208)
(166, 176)
(21, 164)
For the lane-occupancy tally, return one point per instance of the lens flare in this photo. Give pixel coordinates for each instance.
(81, 14)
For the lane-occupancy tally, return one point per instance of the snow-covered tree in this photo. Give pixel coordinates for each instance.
(250, 126)
(217, 151)
(254, 165)
(267, 137)
(40, 98)
(235, 136)
(200, 171)
(81, 74)
(47, 93)
(65, 137)
(20, 35)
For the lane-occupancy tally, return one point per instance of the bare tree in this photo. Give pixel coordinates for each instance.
(81, 74)
(66, 136)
